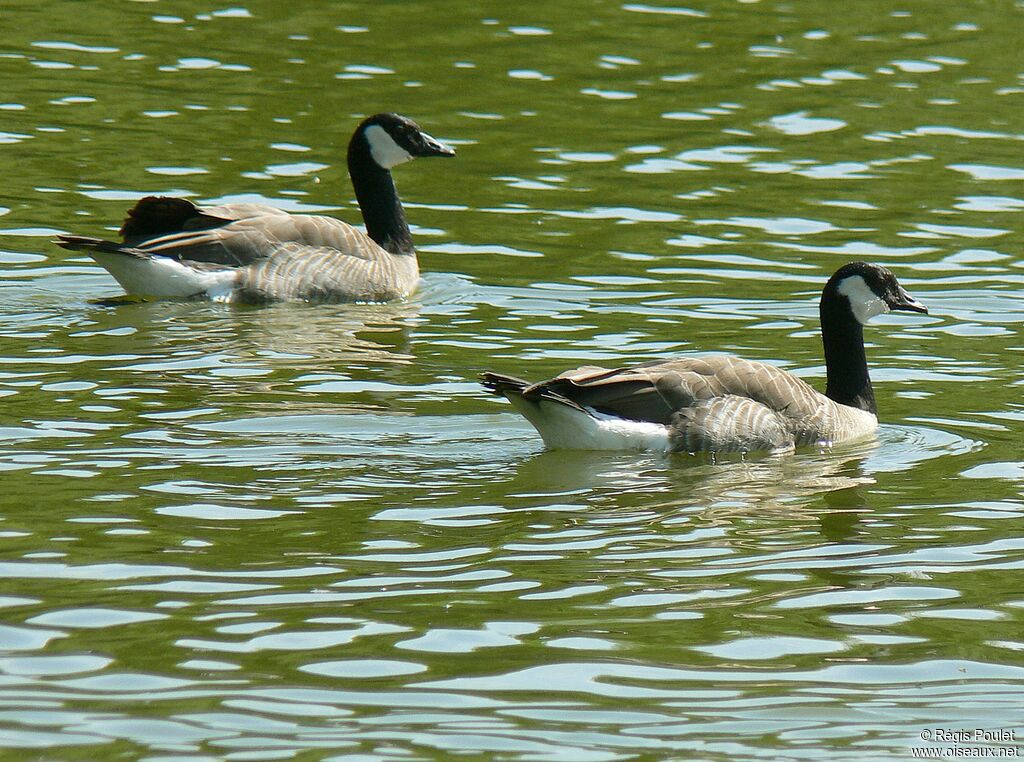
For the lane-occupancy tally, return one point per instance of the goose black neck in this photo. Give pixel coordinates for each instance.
(846, 365)
(378, 199)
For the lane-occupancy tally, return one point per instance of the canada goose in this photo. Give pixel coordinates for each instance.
(257, 253)
(721, 403)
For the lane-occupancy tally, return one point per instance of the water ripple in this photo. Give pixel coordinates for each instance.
(236, 532)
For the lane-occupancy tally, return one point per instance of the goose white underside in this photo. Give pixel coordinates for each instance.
(563, 427)
(165, 278)
(566, 428)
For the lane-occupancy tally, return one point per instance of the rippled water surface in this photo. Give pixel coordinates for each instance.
(305, 531)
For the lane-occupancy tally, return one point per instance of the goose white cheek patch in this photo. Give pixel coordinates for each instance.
(864, 302)
(385, 151)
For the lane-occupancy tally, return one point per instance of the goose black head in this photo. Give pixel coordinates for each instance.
(870, 290)
(394, 139)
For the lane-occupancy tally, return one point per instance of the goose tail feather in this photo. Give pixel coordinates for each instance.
(89, 244)
(502, 385)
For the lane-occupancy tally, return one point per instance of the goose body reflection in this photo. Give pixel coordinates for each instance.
(172, 248)
(722, 403)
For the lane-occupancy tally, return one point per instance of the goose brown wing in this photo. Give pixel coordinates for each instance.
(231, 212)
(256, 238)
(656, 391)
(154, 216)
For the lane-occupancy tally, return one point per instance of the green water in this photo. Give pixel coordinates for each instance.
(305, 531)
